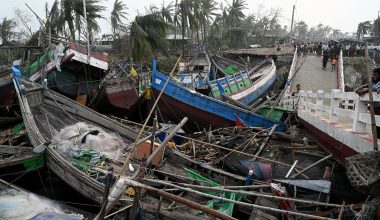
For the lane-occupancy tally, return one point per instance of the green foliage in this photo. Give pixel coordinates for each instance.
(69, 13)
(117, 15)
(147, 35)
(6, 30)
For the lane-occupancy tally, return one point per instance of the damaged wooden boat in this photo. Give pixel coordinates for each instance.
(18, 159)
(17, 203)
(244, 86)
(51, 120)
(178, 102)
(69, 70)
(195, 74)
(118, 93)
(7, 92)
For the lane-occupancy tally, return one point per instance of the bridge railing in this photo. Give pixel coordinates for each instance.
(346, 108)
(340, 72)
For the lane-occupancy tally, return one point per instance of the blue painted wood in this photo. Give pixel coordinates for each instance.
(247, 100)
(207, 104)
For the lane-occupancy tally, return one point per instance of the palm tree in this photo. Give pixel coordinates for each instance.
(235, 12)
(71, 14)
(363, 28)
(206, 15)
(6, 30)
(185, 17)
(167, 12)
(147, 35)
(336, 33)
(118, 13)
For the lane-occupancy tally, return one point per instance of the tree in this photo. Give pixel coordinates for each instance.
(235, 12)
(376, 29)
(69, 13)
(363, 28)
(7, 30)
(336, 33)
(147, 35)
(301, 30)
(117, 15)
(206, 15)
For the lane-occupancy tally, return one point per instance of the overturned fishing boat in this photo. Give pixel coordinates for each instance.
(118, 93)
(241, 84)
(70, 70)
(178, 102)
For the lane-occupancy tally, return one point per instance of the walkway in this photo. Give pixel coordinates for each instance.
(311, 76)
(339, 121)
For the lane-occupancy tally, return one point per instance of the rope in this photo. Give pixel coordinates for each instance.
(42, 182)
(51, 95)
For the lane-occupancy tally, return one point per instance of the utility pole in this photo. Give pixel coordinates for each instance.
(291, 26)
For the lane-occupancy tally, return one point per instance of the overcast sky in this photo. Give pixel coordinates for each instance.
(342, 14)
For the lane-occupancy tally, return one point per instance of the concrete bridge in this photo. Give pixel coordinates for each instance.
(339, 121)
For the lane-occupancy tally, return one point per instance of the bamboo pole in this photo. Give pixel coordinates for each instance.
(226, 200)
(235, 151)
(110, 205)
(312, 165)
(371, 105)
(147, 119)
(249, 193)
(167, 139)
(262, 146)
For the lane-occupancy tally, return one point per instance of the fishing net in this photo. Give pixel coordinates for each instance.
(363, 170)
(83, 137)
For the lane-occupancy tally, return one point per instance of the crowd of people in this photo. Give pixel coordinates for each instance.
(326, 50)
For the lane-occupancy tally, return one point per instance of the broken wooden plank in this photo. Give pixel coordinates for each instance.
(262, 146)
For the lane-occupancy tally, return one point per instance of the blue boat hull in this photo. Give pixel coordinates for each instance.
(203, 111)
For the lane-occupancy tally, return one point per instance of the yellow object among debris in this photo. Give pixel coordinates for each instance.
(133, 72)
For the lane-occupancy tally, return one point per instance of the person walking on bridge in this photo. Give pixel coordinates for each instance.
(326, 54)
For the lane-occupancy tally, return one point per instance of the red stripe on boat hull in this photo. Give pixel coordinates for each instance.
(328, 143)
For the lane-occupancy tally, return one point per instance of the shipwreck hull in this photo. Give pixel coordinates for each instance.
(201, 109)
(246, 87)
(328, 143)
(174, 110)
(71, 175)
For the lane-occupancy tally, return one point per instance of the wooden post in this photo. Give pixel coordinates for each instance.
(334, 103)
(371, 105)
(134, 209)
(105, 198)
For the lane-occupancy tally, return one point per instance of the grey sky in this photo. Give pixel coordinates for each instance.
(342, 14)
